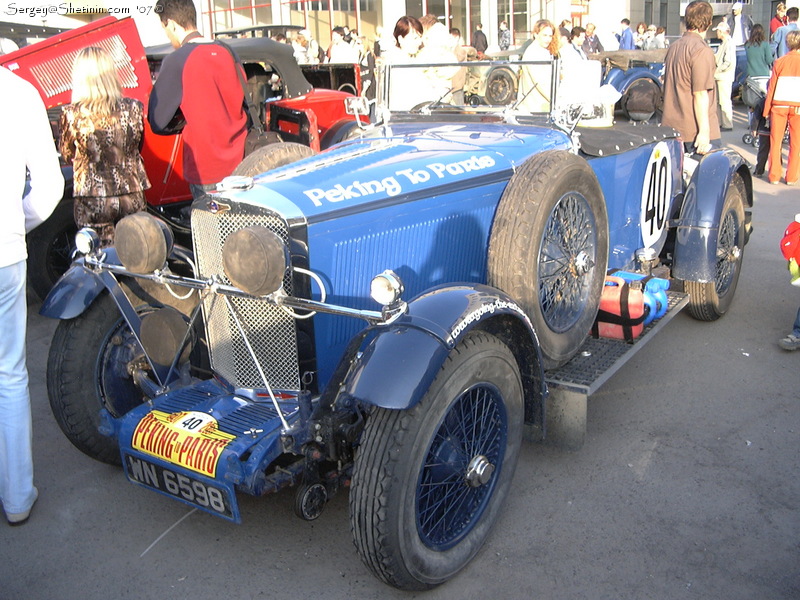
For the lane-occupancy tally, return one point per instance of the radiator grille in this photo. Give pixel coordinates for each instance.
(55, 75)
(270, 331)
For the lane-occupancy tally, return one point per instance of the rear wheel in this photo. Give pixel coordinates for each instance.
(429, 482)
(271, 157)
(549, 249)
(708, 301)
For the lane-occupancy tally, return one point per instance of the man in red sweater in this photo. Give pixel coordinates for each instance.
(198, 92)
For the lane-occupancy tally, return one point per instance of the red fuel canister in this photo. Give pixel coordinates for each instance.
(622, 310)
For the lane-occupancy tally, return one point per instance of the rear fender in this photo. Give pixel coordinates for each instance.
(395, 365)
(338, 133)
(701, 211)
(624, 81)
(294, 124)
(615, 77)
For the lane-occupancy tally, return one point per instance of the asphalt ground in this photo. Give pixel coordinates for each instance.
(687, 486)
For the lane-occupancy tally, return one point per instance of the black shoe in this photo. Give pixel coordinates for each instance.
(726, 128)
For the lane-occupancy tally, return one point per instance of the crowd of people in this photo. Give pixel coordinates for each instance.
(646, 37)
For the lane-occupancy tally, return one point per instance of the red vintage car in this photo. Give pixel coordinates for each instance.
(291, 108)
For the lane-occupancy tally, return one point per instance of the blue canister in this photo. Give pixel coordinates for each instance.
(655, 293)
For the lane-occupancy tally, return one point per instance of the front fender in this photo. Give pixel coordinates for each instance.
(696, 233)
(75, 290)
(396, 364)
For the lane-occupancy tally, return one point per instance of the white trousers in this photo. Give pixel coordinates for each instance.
(16, 440)
(724, 89)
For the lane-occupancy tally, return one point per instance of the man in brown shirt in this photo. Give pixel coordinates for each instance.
(690, 100)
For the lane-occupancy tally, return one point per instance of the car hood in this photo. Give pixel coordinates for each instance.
(399, 163)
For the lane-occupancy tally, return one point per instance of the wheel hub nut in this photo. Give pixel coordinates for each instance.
(479, 471)
(583, 263)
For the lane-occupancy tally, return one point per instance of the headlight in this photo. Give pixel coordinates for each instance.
(143, 242)
(161, 334)
(87, 240)
(386, 288)
(255, 259)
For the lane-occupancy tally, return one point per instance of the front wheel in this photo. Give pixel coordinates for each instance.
(708, 301)
(429, 482)
(89, 367)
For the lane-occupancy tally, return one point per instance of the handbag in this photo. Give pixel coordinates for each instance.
(257, 136)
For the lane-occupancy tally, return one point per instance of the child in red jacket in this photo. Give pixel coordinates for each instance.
(790, 248)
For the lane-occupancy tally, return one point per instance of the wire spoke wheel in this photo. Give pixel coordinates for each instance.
(728, 252)
(568, 245)
(456, 478)
(709, 300)
(429, 481)
(88, 368)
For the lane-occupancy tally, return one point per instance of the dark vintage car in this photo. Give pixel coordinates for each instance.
(638, 76)
(290, 106)
(635, 74)
(385, 316)
(344, 77)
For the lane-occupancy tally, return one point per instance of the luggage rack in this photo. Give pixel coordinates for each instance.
(572, 384)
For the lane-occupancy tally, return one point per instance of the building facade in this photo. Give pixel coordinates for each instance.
(369, 17)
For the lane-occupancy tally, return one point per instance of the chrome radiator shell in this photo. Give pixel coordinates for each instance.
(271, 331)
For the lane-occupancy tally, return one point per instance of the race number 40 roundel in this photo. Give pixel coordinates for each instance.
(656, 194)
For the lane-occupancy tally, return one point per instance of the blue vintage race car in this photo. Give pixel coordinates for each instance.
(381, 316)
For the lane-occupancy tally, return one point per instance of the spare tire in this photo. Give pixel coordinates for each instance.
(548, 249)
(641, 100)
(501, 87)
(271, 157)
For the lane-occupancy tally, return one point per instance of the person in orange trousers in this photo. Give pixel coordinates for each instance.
(782, 106)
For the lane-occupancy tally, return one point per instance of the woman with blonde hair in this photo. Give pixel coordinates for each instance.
(779, 19)
(101, 135)
(534, 84)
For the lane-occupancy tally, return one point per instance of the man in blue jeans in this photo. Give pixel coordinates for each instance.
(740, 26)
(26, 143)
(792, 341)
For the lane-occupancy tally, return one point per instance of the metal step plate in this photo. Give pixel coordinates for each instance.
(600, 358)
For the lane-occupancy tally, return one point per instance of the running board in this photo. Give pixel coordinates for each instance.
(595, 363)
